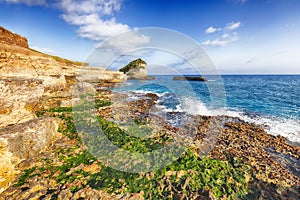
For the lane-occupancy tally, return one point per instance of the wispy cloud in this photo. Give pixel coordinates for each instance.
(227, 37)
(238, 1)
(221, 41)
(44, 50)
(232, 26)
(212, 29)
(128, 41)
(251, 60)
(29, 2)
(291, 25)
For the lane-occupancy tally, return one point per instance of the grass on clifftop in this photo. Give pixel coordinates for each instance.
(61, 60)
(186, 178)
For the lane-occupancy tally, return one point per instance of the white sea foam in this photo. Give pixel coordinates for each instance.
(289, 128)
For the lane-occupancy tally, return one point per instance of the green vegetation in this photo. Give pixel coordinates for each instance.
(133, 64)
(185, 178)
(101, 103)
(27, 174)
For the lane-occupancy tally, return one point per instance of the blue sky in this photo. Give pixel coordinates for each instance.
(240, 36)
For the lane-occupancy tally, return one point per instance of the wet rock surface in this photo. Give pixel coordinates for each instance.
(274, 162)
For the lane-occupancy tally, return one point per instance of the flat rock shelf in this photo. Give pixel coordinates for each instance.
(189, 78)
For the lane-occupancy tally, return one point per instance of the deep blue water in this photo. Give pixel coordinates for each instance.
(270, 100)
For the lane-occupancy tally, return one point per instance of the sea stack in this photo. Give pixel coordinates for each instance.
(136, 70)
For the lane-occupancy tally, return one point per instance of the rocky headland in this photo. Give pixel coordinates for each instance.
(44, 156)
(136, 70)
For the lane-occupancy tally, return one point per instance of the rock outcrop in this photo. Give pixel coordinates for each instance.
(100, 75)
(136, 70)
(7, 37)
(18, 98)
(24, 141)
(189, 78)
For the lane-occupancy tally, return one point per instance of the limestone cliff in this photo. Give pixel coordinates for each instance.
(137, 70)
(7, 37)
(31, 81)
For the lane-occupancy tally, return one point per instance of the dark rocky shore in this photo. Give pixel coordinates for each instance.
(189, 78)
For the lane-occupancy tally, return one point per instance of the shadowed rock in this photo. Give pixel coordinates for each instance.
(189, 78)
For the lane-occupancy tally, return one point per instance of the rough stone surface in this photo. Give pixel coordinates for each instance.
(7, 37)
(100, 75)
(24, 141)
(18, 99)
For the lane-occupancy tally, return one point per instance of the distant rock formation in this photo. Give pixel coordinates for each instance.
(189, 78)
(100, 75)
(136, 70)
(7, 37)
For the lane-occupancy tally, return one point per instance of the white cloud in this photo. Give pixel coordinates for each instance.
(221, 41)
(89, 16)
(227, 36)
(232, 26)
(92, 27)
(29, 2)
(94, 18)
(126, 42)
(44, 50)
(102, 7)
(212, 29)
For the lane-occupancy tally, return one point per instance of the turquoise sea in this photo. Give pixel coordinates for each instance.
(272, 101)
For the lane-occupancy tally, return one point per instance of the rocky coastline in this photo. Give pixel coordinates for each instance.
(44, 156)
